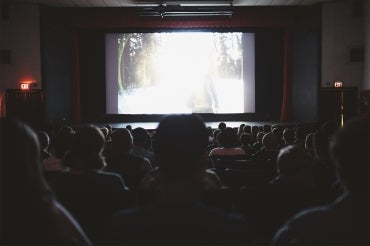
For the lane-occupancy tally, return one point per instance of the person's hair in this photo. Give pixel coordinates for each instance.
(291, 159)
(86, 149)
(247, 129)
(62, 142)
(288, 136)
(266, 128)
(141, 136)
(241, 128)
(26, 199)
(122, 141)
(222, 126)
(260, 136)
(246, 139)
(227, 138)
(322, 138)
(255, 130)
(270, 141)
(179, 142)
(308, 144)
(350, 150)
(43, 139)
(129, 127)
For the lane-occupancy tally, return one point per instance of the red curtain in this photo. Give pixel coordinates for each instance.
(286, 112)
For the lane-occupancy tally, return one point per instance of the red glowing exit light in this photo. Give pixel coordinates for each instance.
(25, 86)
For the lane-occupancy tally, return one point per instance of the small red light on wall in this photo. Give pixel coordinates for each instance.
(338, 84)
(25, 86)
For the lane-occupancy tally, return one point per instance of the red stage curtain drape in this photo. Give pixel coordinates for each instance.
(116, 18)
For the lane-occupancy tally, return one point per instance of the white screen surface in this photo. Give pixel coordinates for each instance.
(180, 72)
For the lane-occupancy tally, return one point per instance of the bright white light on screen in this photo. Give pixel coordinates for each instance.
(180, 72)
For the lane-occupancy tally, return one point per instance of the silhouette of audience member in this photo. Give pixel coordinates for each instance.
(294, 169)
(179, 218)
(346, 220)
(279, 133)
(142, 144)
(222, 126)
(288, 136)
(269, 151)
(240, 131)
(267, 128)
(215, 142)
(30, 213)
(268, 207)
(129, 127)
(210, 134)
(255, 131)
(300, 133)
(228, 141)
(326, 177)
(49, 162)
(120, 160)
(62, 142)
(308, 144)
(90, 194)
(246, 142)
(247, 129)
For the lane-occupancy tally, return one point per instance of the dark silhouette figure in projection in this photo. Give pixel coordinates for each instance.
(204, 97)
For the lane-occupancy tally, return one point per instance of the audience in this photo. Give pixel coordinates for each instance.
(246, 142)
(288, 136)
(90, 194)
(228, 140)
(270, 147)
(346, 220)
(142, 144)
(120, 160)
(326, 176)
(321, 174)
(179, 217)
(30, 213)
(49, 162)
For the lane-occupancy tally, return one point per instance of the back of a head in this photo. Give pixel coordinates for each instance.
(321, 139)
(62, 143)
(248, 129)
(350, 150)
(288, 136)
(270, 141)
(43, 139)
(122, 141)
(25, 197)
(20, 158)
(179, 142)
(260, 136)
(140, 136)
(267, 128)
(86, 149)
(291, 159)
(222, 126)
(228, 138)
(246, 139)
(255, 130)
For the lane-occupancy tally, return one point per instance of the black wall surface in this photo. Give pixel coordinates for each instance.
(306, 64)
(56, 64)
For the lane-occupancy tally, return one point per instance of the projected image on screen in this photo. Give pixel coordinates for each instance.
(179, 72)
